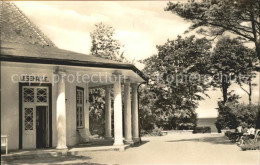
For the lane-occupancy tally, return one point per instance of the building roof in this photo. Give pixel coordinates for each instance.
(15, 26)
(22, 41)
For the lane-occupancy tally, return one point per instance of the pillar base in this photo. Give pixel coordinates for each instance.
(62, 148)
(136, 140)
(128, 141)
(108, 137)
(118, 144)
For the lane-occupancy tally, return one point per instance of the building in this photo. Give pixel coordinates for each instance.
(45, 90)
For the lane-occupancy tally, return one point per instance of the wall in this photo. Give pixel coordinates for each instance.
(10, 102)
(72, 133)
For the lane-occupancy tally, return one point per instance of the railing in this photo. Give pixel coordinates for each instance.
(4, 142)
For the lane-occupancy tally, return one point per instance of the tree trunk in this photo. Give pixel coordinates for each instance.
(257, 47)
(224, 91)
(250, 92)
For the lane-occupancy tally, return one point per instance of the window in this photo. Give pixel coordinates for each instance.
(80, 107)
(42, 95)
(28, 118)
(28, 94)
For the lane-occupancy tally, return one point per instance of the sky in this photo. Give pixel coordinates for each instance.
(139, 25)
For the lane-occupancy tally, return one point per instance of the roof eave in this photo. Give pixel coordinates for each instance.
(69, 62)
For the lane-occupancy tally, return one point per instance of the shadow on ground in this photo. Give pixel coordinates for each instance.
(141, 144)
(213, 140)
(73, 159)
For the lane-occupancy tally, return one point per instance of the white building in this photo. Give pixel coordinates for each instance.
(41, 105)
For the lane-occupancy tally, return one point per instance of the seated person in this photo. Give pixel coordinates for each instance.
(239, 129)
(251, 131)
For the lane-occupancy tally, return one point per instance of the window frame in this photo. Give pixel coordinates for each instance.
(83, 109)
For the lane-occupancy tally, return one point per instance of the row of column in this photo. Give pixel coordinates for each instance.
(130, 113)
(131, 130)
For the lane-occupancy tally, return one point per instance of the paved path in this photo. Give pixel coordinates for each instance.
(170, 149)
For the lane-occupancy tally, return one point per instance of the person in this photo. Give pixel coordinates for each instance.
(239, 129)
(251, 132)
(245, 130)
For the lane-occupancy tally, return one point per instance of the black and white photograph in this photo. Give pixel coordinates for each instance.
(130, 82)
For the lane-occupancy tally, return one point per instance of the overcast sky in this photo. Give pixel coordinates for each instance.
(140, 26)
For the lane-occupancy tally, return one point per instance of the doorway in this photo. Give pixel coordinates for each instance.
(42, 127)
(35, 115)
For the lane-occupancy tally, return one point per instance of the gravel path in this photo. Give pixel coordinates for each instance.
(170, 149)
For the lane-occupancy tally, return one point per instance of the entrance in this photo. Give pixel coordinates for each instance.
(41, 127)
(35, 116)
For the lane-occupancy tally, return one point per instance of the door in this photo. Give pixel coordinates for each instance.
(42, 127)
(28, 127)
(35, 120)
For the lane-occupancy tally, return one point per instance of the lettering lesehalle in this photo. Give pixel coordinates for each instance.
(34, 78)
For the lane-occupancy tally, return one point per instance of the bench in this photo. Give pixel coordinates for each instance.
(4, 143)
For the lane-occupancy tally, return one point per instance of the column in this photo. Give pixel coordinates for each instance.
(127, 113)
(134, 107)
(118, 131)
(61, 111)
(108, 113)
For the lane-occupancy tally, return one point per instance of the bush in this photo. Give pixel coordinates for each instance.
(228, 134)
(202, 130)
(155, 132)
(232, 115)
(250, 144)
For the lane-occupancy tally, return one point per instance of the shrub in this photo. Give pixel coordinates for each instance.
(202, 130)
(232, 115)
(228, 134)
(155, 132)
(250, 144)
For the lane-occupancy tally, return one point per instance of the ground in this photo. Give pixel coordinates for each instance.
(170, 149)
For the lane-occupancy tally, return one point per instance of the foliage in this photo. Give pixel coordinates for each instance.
(251, 145)
(180, 121)
(154, 132)
(231, 60)
(175, 85)
(104, 45)
(258, 119)
(233, 115)
(215, 17)
(202, 130)
(97, 111)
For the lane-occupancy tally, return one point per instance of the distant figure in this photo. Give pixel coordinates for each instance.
(251, 132)
(245, 130)
(239, 129)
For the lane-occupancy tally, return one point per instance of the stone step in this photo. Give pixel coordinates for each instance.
(32, 154)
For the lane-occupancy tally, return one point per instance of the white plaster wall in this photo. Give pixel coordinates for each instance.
(10, 103)
(9, 108)
(10, 100)
(73, 137)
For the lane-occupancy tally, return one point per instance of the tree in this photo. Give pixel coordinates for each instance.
(248, 74)
(231, 59)
(97, 111)
(240, 17)
(258, 118)
(104, 45)
(233, 115)
(175, 78)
